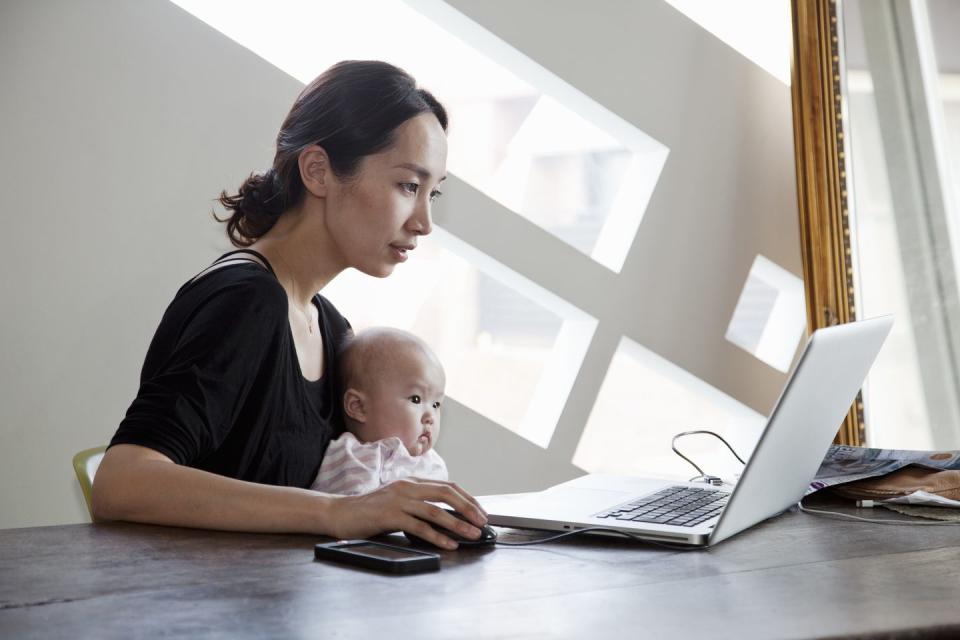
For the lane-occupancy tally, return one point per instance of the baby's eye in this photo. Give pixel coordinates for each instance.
(410, 187)
(435, 195)
(415, 399)
(436, 405)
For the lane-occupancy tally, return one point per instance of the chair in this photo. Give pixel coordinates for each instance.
(86, 464)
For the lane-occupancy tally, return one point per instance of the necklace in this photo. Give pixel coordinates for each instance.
(309, 318)
(293, 286)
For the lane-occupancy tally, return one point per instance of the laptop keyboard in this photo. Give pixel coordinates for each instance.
(678, 506)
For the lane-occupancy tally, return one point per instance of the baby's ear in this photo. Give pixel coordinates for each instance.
(355, 405)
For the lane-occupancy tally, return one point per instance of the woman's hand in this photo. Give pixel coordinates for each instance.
(403, 506)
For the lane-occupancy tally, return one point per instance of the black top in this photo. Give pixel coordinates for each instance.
(221, 387)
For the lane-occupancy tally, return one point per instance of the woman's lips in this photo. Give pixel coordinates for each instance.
(400, 251)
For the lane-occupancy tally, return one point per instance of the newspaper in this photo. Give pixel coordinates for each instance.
(848, 464)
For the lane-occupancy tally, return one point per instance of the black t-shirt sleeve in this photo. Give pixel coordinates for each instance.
(213, 345)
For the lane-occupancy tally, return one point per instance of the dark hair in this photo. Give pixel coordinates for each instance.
(352, 110)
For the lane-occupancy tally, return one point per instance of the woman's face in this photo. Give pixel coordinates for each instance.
(376, 218)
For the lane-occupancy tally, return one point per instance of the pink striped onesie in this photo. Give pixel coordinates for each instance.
(351, 467)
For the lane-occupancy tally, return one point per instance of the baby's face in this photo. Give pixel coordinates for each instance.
(404, 401)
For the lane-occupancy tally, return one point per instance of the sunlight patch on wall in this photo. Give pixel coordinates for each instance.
(770, 316)
(510, 348)
(519, 133)
(643, 402)
(759, 29)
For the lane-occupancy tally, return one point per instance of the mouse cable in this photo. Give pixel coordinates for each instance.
(714, 480)
(837, 514)
(703, 477)
(676, 547)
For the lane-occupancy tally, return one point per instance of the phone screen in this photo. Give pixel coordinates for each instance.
(386, 553)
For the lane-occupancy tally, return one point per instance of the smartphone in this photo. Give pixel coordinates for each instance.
(377, 556)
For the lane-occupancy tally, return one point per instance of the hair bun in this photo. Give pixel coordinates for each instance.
(256, 206)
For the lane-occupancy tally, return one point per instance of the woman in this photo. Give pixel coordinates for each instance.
(237, 401)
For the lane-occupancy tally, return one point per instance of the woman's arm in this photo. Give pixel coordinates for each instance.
(138, 484)
(142, 485)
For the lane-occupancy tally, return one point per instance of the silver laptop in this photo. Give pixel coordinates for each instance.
(796, 438)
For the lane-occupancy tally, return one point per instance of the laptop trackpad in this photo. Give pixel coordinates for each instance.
(558, 503)
(579, 502)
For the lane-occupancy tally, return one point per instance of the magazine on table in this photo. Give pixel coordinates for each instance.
(844, 464)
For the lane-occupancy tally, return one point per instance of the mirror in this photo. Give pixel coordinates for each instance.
(899, 103)
(822, 196)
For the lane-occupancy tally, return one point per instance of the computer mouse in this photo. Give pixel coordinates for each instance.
(487, 535)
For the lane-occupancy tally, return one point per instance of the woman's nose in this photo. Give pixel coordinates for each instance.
(421, 221)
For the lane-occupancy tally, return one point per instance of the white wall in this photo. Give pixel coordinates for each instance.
(122, 120)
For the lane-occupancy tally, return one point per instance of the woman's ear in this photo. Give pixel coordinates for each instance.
(355, 405)
(315, 170)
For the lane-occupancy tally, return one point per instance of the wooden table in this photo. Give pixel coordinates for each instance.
(795, 576)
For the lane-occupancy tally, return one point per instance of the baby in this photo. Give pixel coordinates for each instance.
(393, 388)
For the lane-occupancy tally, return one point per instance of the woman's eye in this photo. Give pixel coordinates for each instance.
(410, 187)
(435, 195)
(415, 399)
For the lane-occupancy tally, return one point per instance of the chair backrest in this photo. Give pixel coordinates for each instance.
(86, 464)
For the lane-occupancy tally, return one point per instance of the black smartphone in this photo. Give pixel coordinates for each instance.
(377, 556)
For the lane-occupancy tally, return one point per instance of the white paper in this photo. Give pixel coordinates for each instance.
(922, 497)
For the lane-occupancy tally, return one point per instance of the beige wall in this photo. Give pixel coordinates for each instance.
(121, 121)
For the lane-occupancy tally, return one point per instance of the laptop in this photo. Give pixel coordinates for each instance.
(794, 442)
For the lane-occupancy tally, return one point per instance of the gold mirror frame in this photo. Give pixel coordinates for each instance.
(821, 179)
